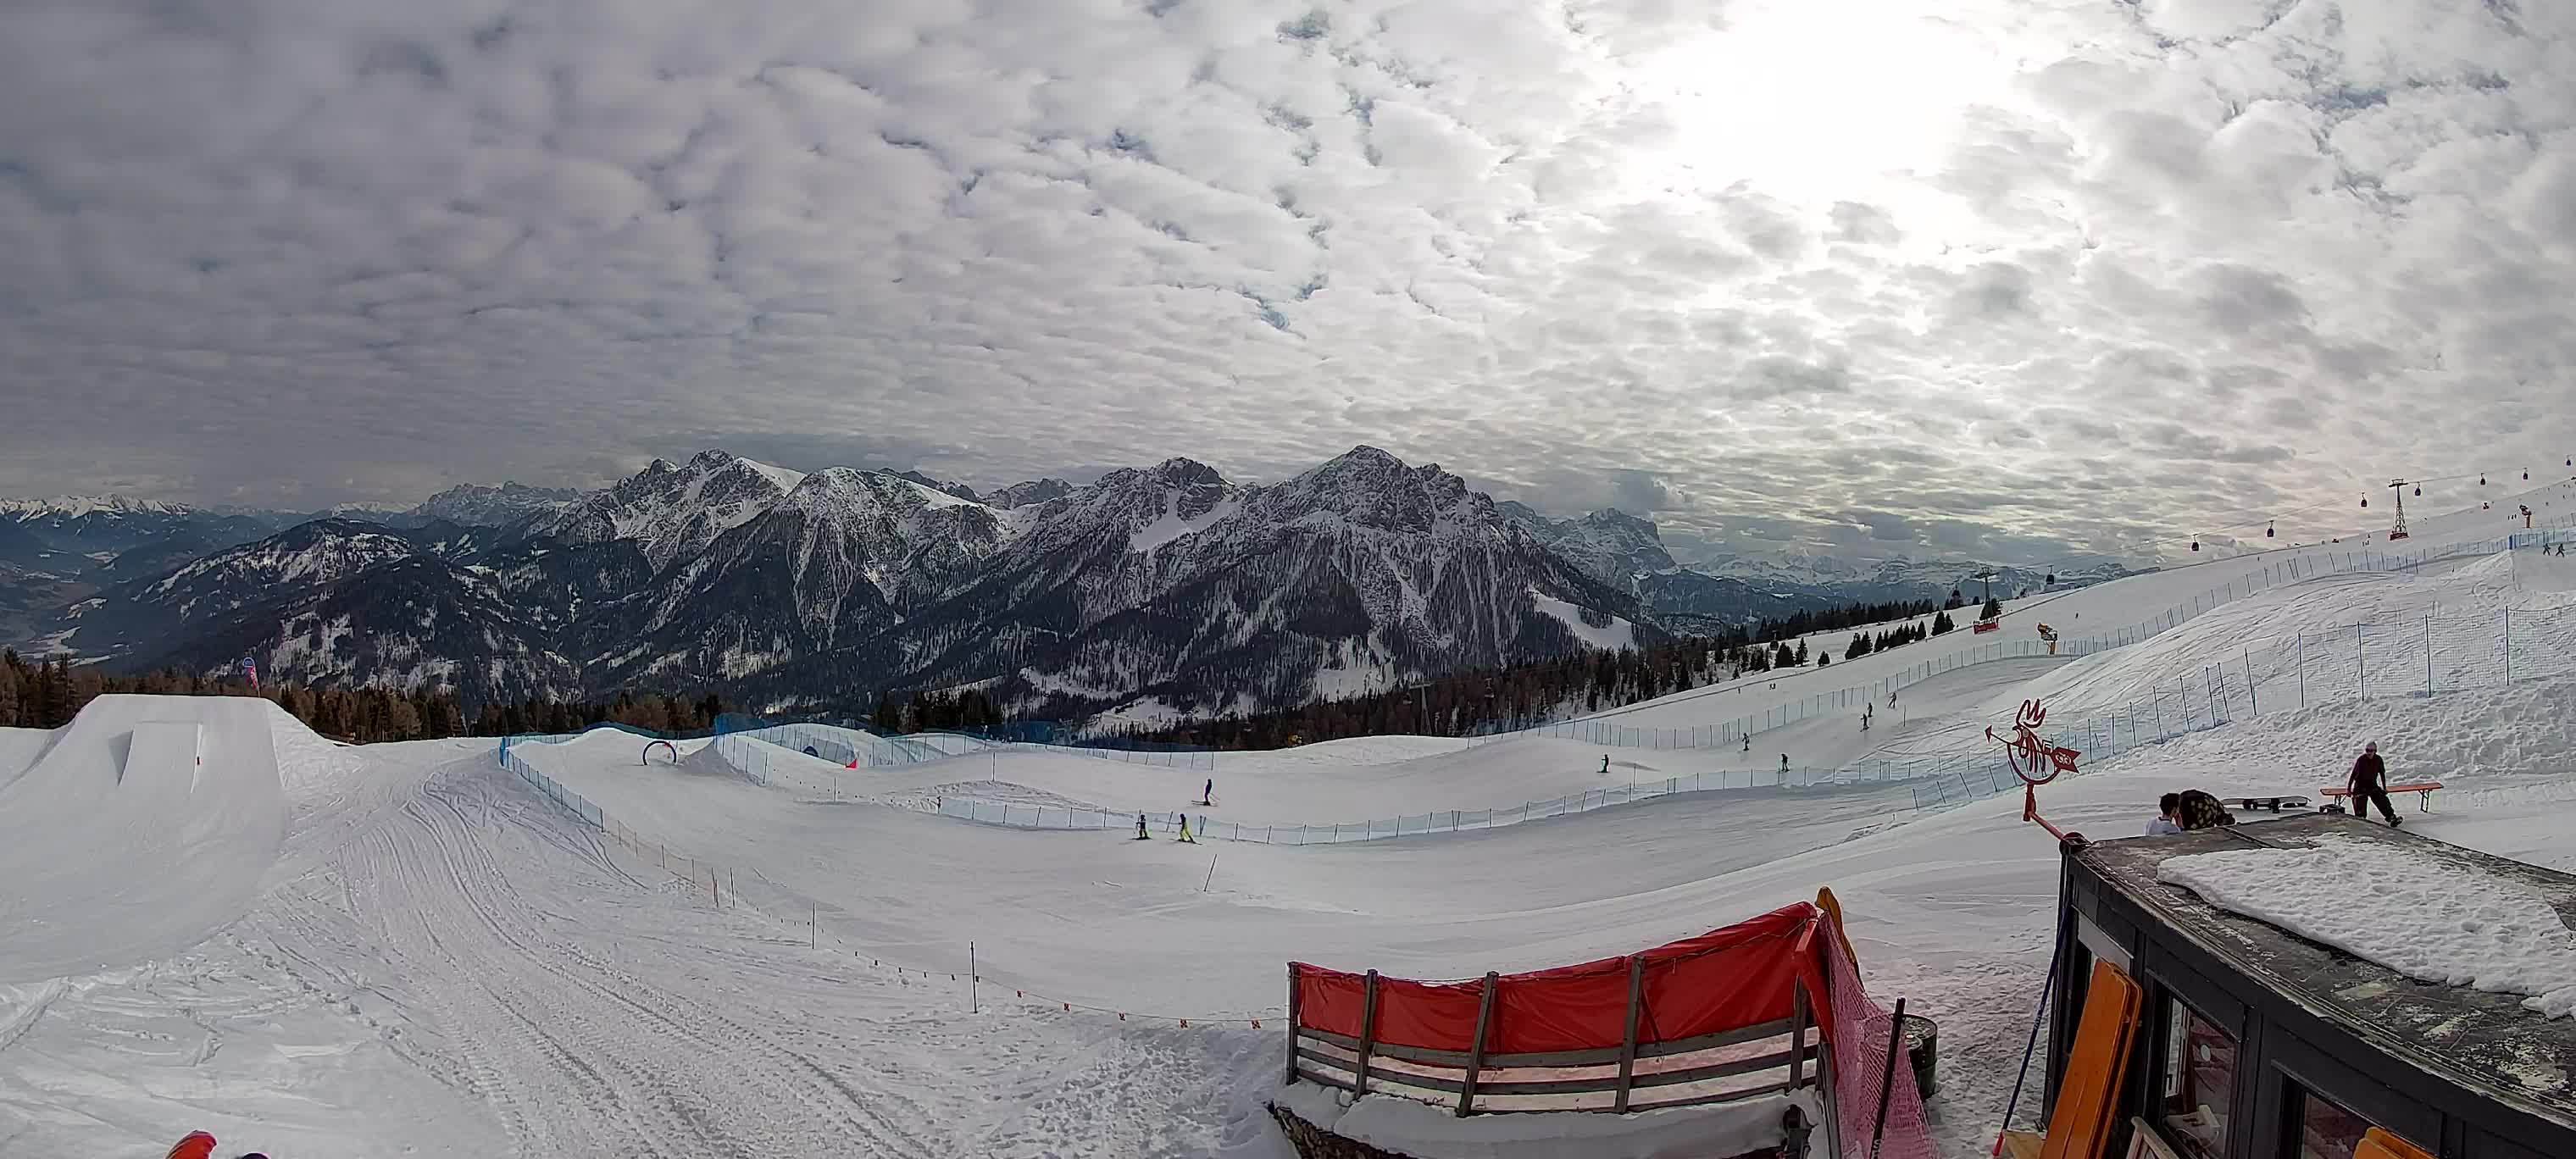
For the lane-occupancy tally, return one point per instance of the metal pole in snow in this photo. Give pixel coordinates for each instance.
(1887, 1078)
(1211, 874)
(2302, 645)
(2428, 655)
(970, 978)
(2508, 646)
(2250, 702)
(2360, 664)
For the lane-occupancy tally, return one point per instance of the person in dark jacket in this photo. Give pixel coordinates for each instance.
(2194, 809)
(2369, 784)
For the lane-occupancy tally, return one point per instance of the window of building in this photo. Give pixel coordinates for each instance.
(2198, 1083)
(2325, 1131)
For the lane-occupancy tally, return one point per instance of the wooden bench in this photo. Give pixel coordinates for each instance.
(2423, 791)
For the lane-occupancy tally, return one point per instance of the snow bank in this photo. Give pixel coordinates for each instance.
(2422, 917)
(1414, 1128)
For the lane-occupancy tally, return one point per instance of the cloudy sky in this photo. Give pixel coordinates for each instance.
(2030, 275)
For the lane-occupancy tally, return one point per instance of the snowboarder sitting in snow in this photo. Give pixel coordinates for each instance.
(2164, 825)
(2194, 809)
(2368, 783)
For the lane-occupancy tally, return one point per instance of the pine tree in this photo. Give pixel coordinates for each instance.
(1955, 602)
(1941, 623)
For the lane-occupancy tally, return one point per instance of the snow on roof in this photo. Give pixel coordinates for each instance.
(2429, 920)
(2481, 1033)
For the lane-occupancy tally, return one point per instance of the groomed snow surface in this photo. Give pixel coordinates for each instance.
(405, 950)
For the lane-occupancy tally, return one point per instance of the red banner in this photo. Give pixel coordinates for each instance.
(1727, 979)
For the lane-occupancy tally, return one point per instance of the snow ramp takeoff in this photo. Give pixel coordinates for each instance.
(137, 829)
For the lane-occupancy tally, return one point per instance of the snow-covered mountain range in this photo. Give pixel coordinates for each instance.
(791, 589)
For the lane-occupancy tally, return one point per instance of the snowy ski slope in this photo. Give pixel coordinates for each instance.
(404, 949)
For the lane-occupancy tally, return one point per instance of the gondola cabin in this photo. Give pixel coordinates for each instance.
(2178, 1030)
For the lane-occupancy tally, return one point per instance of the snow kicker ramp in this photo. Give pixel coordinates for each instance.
(139, 828)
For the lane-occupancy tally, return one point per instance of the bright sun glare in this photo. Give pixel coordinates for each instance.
(1815, 103)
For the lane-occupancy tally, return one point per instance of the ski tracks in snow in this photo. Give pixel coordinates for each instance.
(601, 1010)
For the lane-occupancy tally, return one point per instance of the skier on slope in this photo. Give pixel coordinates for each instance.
(2368, 784)
(1605, 764)
(1141, 835)
(1748, 742)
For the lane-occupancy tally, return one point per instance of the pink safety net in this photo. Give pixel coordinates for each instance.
(1860, 1058)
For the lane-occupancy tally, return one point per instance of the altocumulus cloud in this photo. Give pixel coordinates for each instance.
(2082, 276)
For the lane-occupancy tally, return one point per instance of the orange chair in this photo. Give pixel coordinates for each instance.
(2088, 1094)
(2379, 1144)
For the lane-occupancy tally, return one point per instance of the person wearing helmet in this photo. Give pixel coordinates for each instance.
(2369, 784)
(196, 1145)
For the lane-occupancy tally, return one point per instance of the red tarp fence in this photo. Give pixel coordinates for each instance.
(1741, 976)
(1732, 1013)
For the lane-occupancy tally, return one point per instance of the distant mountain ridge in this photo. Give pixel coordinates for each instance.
(786, 588)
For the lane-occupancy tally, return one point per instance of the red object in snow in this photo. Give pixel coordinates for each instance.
(1987, 626)
(1727, 979)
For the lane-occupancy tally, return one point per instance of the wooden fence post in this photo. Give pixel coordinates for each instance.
(1628, 1045)
(1368, 1036)
(1797, 1032)
(1292, 1023)
(1476, 1053)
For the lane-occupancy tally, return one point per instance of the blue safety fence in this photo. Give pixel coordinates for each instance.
(2299, 568)
(2411, 656)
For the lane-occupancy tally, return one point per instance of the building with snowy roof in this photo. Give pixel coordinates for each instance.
(2250, 1036)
